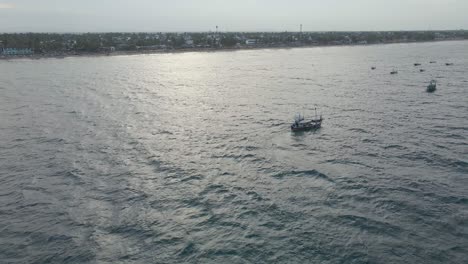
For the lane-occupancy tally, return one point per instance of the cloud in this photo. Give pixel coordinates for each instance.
(6, 5)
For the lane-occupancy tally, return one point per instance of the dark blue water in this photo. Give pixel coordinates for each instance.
(188, 158)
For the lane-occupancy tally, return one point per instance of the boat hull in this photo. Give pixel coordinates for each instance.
(307, 127)
(430, 89)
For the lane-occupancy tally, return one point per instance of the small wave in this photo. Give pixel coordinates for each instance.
(192, 178)
(301, 79)
(418, 156)
(188, 249)
(59, 238)
(455, 136)
(394, 147)
(368, 224)
(360, 130)
(254, 195)
(164, 132)
(403, 207)
(457, 128)
(232, 156)
(428, 103)
(448, 199)
(298, 145)
(212, 188)
(278, 124)
(354, 110)
(304, 173)
(461, 164)
(350, 162)
(135, 230)
(247, 148)
(273, 225)
(75, 176)
(248, 214)
(369, 140)
(51, 140)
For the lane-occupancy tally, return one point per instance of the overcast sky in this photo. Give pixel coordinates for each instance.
(233, 15)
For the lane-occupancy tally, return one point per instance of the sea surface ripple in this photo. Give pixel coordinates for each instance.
(188, 157)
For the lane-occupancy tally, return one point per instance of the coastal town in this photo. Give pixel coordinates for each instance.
(75, 44)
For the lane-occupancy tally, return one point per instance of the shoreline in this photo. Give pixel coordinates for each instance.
(190, 50)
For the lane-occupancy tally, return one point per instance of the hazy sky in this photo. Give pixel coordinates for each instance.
(234, 15)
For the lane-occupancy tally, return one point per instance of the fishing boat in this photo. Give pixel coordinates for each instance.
(300, 124)
(417, 64)
(372, 68)
(449, 64)
(432, 86)
(432, 62)
(394, 71)
(422, 70)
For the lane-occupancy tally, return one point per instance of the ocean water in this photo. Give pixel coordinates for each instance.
(189, 158)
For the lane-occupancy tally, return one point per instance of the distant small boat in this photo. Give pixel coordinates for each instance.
(417, 64)
(448, 63)
(422, 70)
(432, 62)
(301, 125)
(394, 72)
(372, 68)
(431, 87)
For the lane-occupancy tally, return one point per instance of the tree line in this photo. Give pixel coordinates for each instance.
(94, 42)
